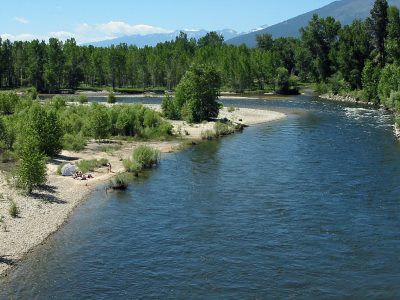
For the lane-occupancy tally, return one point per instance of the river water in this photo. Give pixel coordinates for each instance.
(305, 207)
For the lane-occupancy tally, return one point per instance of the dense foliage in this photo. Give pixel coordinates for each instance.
(196, 96)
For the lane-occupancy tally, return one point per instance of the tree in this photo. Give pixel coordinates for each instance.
(389, 82)
(265, 41)
(73, 70)
(36, 62)
(31, 172)
(320, 37)
(354, 49)
(197, 94)
(100, 123)
(370, 80)
(46, 126)
(379, 22)
(211, 39)
(54, 66)
(282, 80)
(393, 37)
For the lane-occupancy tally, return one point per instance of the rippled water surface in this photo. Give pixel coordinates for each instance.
(306, 207)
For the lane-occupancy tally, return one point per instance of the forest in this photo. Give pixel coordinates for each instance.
(338, 58)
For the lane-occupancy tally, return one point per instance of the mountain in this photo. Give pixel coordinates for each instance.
(345, 11)
(154, 39)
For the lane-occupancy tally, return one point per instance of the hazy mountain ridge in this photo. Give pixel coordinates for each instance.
(345, 11)
(153, 39)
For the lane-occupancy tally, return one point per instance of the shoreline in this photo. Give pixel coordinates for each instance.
(45, 212)
(345, 99)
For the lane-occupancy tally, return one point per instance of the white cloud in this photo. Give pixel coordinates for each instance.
(61, 35)
(18, 37)
(118, 27)
(21, 20)
(84, 32)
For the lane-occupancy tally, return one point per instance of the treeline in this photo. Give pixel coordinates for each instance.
(339, 58)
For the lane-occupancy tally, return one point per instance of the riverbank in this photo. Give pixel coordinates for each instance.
(347, 99)
(43, 213)
(397, 130)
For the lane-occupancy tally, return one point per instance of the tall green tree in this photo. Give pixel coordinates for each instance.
(265, 41)
(211, 39)
(46, 126)
(354, 49)
(54, 65)
(31, 172)
(393, 37)
(99, 122)
(196, 95)
(379, 22)
(320, 37)
(72, 68)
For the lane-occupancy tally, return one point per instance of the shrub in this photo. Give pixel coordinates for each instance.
(131, 166)
(111, 98)
(90, 165)
(231, 109)
(83, 99)
(120, 182)
(222, 129)
(13, 209)
(169, 108)
(208, 135)
(389, 82)
(146, 156)
(74, 142)
(196, 95)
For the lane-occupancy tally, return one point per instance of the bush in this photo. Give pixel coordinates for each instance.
(90, 165)
(389, 82)
(13, 209)
(83, 99)
(74, 142)
(111, 98)
(208, 135)
(231, 109)
(120, 182)
(146, 156)
(131, 166)
(196, 95)
(222, 129)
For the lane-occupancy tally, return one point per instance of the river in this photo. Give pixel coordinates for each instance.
(305, 207)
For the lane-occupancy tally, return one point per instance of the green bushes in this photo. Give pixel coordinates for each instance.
(111, 98)
(74, 142)
(83, 99)
(90, 165)
(8, 103)
(120, 182)
(196, 96)
(208, 134)
(143, 157)
(389, 82)
(222, 129)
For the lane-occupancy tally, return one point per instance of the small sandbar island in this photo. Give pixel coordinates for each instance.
(44, 211)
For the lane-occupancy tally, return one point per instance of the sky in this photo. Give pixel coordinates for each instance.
(95, 20)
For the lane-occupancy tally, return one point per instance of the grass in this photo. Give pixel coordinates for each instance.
(209, 135)
(120, 182)
(143, 157)
(110, 149)
(13, 209)
(90, 165)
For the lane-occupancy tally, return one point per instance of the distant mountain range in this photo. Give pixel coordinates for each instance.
(154, 39)
(345, 11)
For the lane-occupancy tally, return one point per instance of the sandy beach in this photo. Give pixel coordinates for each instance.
(43, 213)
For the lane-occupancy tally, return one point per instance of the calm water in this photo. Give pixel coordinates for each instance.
(307, 207)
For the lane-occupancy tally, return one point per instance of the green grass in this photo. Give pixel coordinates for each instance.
(13, 209)
(209, 135)
(119, 182)
(90, 165)
(143, 157)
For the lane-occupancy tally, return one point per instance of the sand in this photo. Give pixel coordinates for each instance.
(45, 212)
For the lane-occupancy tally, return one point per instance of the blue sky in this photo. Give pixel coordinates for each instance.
(90, 20)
